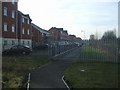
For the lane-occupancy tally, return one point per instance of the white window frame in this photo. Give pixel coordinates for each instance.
(28, 21)
(13, 42)
(13, 28)
(5, 42)
(5, 27)
(28, 32)
(13, 14)
(5, 11)
(28, 42)
(23, 31)
(23, 42)
(13, 2)
(23, 19)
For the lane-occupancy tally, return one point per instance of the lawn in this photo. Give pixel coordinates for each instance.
(15, 69)
(92, 75)
(95, 74)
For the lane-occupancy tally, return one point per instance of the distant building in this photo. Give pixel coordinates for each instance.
(56, 33)
(92, 37)
(59, 35)
(39, 35)
(72, 38)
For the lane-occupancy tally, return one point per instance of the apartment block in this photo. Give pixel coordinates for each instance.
(9, 24)
(59, 34)
(24, 29)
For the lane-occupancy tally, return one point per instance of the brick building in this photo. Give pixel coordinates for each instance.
(24, 29)
(55, 32)
(72, 38)
(59, 35)
(39, 35)
(9, 24)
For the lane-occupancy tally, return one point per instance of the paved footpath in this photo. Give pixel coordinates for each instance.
(50, 76)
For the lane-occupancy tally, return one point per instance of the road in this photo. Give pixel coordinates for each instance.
(50, 76)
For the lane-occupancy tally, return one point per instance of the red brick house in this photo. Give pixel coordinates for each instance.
(9, 24)
(59, 35)
(36, 36)
(72, 38)
(39, 35)
(55, 32)
(24, 29)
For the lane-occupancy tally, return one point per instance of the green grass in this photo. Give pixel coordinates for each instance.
(96, 75)
(16, 68)
(91, 53)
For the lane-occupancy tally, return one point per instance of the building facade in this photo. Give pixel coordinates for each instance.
(55, 32)
(92, 37)
(59, 35)
(39, 36)
(9, 24)
(24, 29)
(36, 36)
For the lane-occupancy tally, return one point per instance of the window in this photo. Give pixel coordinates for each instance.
(13, 2)
(23, 20)
(23, 31)
(42, 34)
(28, 42)
(23, 42)
(13, 14)
(5, 27)
(28, 21)
(13, 28)
(5, 11)
(5, 42)
(28, 32)
(13, 42)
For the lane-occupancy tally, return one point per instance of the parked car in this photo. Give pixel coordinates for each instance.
(18, 50)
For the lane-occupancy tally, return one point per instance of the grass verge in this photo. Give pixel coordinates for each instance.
(95, 54)
(16, 68)
(94, 69)
(92, 75)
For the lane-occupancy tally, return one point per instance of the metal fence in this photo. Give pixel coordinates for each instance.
(54, 48)
(100, 50)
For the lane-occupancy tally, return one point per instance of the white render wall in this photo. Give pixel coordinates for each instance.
(9, 43)
(0, 46)
(26, 42)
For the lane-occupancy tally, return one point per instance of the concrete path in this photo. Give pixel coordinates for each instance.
(50, 76)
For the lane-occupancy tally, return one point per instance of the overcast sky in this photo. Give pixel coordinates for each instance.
(73, 15)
